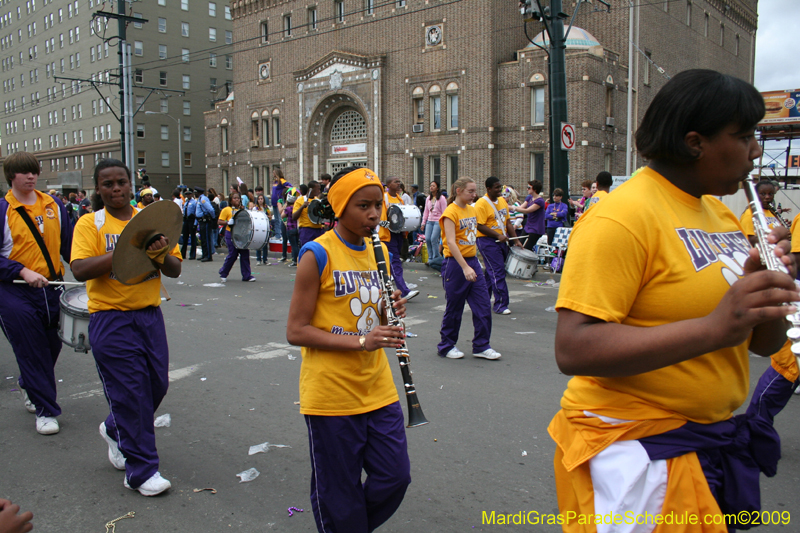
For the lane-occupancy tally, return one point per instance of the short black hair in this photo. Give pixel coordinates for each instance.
(326, 177)
(765, 182)
(303, 188)
(490, 181)
(536, 185)
(604, 179)
(97, 201)
(704, 101)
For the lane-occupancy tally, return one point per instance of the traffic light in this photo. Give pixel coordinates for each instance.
(528, 11)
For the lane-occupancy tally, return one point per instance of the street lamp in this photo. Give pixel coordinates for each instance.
(180, 134)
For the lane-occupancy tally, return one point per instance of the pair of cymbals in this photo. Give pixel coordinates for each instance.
(130, 262)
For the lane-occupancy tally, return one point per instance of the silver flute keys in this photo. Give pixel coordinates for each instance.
(766, 252)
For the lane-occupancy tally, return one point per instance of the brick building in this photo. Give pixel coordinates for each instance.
(429, 89)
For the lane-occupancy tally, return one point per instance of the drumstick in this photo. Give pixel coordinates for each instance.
(54, 282)
(513, 238)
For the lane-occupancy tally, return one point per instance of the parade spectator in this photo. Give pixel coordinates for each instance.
(555, 215)
(279, 185)
(534, 209)
(435, 204)
(177, 198)
(147, 198)
(206, 216)
(226, 218)
(292, 229)
(603, 184)
(84, 203)
(73, 208)
(325, 182)
(586, 193)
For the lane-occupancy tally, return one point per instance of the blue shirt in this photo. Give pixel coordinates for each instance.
(190, 208)
(204, 207)
(560, 210)
(277, 192)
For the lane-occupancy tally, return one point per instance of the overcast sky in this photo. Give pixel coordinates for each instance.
(776, 45)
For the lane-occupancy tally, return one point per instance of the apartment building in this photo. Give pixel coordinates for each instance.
(61, 96)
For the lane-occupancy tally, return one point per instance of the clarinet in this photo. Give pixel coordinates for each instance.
(786, 223)
(415, 415)
(766, 252)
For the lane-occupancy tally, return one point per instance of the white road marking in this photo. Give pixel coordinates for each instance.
(87, 394)
(180, 373)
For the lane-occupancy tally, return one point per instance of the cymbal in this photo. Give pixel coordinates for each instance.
(130, 262)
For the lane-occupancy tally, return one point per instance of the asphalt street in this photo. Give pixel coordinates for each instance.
(234, 384)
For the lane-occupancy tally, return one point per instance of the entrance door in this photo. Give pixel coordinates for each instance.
(335, 165)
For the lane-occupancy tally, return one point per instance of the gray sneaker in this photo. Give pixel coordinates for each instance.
(28, 403)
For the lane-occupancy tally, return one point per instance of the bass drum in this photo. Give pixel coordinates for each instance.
(521, 263)
(403, 218)
(251, 230)
(73, 328)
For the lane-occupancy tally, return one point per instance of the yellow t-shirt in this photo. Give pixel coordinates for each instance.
(486, 217)
(674, 258)
(303, 221)
(20, 245)
(226, 214)
(746, 221)
(466, 222)
(596, 197)
(334, 383)
(384, 233)
(96, 234)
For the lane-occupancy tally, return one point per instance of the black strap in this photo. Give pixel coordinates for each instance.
(38, 237)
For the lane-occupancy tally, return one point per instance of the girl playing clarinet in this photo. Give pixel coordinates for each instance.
(347, 395)
(659, 349)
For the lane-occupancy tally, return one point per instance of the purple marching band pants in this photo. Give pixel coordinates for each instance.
(309, 234)
(394, 245)
(233, 253)
(340, 447)
(494, 258)
(458, 290)
(132, 357)
(29, 318)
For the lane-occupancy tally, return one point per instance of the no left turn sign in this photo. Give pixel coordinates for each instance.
(567, 136)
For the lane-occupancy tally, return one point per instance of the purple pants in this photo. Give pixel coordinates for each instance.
(309, 234)
(771, 395)
(340, 447)
(132, 357)
(494, 259)
(29, 318)
(394, 245)
(233, 253)
(458, 290)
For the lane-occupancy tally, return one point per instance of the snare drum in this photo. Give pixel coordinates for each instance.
(73, 327)
(521, 263)
(403, 218)
(251, 230)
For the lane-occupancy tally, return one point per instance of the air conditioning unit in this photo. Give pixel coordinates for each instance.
(418, 128)
(254, 143)
(610, 121)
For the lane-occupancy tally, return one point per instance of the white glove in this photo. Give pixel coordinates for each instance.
(231, 222)
(384, 223)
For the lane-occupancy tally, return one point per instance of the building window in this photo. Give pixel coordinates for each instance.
(185, 5)
(187, 133)
(370, 7)
(212, 9)
(140, 131)
(736, 46)
(165, 159)
(452, 170)
(452, 111)
(646, 71)
(265, 129)
(312, 17)
(228, 13)
(141, 158)
(418, 108)
(185, 55)
(401, 3)
(138, 76)
(186, 81)
(212, 59)
(436, 113)
(436, 169)
(185, 29)
(187, 159)
(609, 101)
(212, 34)
(229, 62)
(224, 133)
(607, 162)
(162, 51)
(254, 129)
(276, 128)
(138, 48)
(722, 35)
(164, 133)
(163, 106)
(162, 25)
(187, 108)
(339, 10)
(228, 37)
(162, 78)
(537, 106)
(537, 167)
(287, 25)
(264, 31)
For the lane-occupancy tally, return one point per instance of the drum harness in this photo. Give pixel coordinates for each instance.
(501, 221)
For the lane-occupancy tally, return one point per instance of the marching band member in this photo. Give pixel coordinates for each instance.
(29, 313)
(347, 394)
(308, 231)
(394, 241)
(226, 219)
(766, 193)
(494, 227)
(462, 278)
(126, 329)
(647, 424)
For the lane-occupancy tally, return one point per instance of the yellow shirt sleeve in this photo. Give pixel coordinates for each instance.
(796, 235)
(484, 213)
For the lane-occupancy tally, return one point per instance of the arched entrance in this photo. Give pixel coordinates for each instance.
(345, 141)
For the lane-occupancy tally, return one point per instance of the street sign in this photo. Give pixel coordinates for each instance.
(567, 136)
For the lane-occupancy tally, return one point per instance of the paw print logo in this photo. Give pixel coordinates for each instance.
(360, 306)
(734, 267)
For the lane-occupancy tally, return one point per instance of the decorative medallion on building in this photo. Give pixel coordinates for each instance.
(264, 71)
(433, 35)
(336, 80)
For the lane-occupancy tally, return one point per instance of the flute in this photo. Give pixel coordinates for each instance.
(415, 415)
(766, 252)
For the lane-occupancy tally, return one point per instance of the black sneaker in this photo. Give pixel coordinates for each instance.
(282, 260)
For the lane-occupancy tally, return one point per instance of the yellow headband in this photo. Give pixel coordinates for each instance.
(344, 188)
(146, 191)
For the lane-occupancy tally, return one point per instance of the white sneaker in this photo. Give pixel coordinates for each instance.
(258, 262)
(28, 403)
(223, 280)
(153, 486)
(454, 353)
(411, 295)
(47, 425)
(505, 311)
(114, 455)
(487, 354)
(411, 285)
